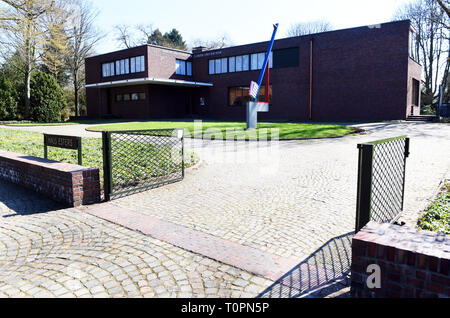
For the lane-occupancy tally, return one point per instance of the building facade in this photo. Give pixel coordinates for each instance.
(364, 73)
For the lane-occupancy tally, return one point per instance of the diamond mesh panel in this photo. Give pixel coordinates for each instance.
(145, 159)
(388, 171)
(330, 263)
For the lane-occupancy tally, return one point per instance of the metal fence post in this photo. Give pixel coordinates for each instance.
(404, 170)
(364, 185)
(107, 182)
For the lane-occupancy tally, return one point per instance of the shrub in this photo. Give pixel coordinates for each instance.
(47, 98)
(8, 102)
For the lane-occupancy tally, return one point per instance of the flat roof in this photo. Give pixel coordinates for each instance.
(148, 80)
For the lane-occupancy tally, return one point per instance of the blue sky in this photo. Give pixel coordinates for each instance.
(242, 21)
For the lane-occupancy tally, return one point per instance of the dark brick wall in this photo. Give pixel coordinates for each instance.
(358, 74)
(413, 263)
(70, 184)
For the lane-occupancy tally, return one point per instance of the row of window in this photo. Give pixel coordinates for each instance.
(183, 68)
(239, 96)
(239, 63)
(124, 66)
(128, 97)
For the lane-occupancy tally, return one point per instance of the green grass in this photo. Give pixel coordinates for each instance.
(286, 130)
(437, 216)
(32, 144)
(63, 123)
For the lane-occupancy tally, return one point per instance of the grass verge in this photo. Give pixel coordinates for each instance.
(32, 144)
(236, 130)
(437, 216)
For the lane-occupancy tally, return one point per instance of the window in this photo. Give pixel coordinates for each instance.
(413, 45)
(211, 66)
(138, 64)
(254, 61)
(142, 69)
(108, 69)
(224, 63)
(232, 64)
(183, 67)
(189, 68)
(239, 96)
(180, 67)
(133, 65)
(218, 66)
(415, 92)
(128, 97)
(245, 62)
(125, 66)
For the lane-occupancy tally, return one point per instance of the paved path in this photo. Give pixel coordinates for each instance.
(47, 251)
(295, 197)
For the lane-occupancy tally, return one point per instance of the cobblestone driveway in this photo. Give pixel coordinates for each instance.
(290, 211)
(309, 198)
(46, 251)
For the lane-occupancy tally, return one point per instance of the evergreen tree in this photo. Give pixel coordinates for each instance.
(47, 98)
(8, 102)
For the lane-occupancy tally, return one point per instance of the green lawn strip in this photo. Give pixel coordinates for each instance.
(218, 130)
(41, 124)
(32, 144)
(64, 123)
(437, 216)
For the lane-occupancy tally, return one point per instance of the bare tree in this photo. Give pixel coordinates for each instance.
(428, 21)
(445, 5)
(22, 22)
(125, 36)
(311, 27)
(218, 43)
(83, 36)
(54, 49)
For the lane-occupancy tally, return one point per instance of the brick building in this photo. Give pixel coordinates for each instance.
(364, 73)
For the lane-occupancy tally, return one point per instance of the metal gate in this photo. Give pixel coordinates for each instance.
(135, 161)
(381, 180)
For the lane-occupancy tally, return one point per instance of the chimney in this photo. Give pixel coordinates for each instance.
(198, 49)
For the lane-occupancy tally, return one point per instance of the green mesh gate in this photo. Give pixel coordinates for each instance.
(381, 180)
(135, 161)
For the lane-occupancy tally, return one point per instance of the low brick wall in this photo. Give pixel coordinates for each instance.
(413, 263)
(63, 182)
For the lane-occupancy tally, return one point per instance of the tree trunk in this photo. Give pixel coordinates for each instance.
(76, 93)
(27, 88)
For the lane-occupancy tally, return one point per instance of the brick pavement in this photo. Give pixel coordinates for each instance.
(49, 251)
(291, 213)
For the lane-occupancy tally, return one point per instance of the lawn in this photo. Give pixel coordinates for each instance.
(218, 130)
(32, 144)
(437, 216)
(63, 123)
